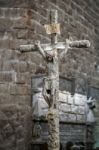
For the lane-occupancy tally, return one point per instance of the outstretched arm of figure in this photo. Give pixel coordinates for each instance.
(40, 49)
(69, 44)
(66, 48)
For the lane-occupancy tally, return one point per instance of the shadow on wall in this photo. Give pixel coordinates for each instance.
(75, 146)
(69, 145)
(42, 147)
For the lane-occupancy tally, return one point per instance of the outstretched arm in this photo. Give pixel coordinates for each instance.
(74, 44)
(40, 49)
(66, 48)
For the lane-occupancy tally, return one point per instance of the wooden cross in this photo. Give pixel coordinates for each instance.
(51, 81)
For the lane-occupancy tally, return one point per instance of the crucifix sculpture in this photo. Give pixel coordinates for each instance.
(51, 81)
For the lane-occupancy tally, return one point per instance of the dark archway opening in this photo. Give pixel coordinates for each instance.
(39, 146)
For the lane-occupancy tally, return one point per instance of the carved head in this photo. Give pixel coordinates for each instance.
(91, 102)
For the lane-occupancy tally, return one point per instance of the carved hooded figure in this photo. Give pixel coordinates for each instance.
(38, 104)
(89, 111)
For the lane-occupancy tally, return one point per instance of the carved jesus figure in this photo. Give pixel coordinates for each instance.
(50, 84)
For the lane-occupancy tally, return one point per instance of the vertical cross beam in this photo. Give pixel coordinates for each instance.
(53, 20)
(51, 88)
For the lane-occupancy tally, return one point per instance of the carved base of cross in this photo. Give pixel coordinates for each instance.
(53, 121)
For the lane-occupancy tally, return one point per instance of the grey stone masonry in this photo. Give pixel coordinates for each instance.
(71, 107)
(14, 123)
(22, 22)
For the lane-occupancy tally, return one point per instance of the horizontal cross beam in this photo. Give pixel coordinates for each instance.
(59, 45)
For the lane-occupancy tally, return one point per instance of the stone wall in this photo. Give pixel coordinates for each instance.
(22, 22)
(14, 122)
(72, 108)
(76, 119)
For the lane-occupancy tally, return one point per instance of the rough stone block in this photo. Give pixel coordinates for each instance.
(12, 3)
(19, 132)
(23, 78)
(38, 28)
(70, 99)
(4, 88)
(20, 23)
(8, 130)
(74, 109)
(63, 117)
(63, 97)
(5, 98)
(20, 144)
(17, 89)
(22, 34)
(12, 13)
(67, 1)
(12, 65)
(19, 122)
(5, 24)
(79, 99)
(17, 43)
(7, 76)
(20, 78)
(22, 99)
(63, 6)
(34, 57)
(81, 110)
(18, 66)
(72, 117)
(82, 4)
(65, 108)
(79, 10)
(22, 66)
(7, 55)
(1, 63)
(5, 43)
(81, 118)
(31, 67)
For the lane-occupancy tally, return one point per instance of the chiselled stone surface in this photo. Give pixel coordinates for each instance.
(63, 97)
(69, 132)
(15, 126)
(18, 89)
(21, 22)
(72, 117)
(68, 110)
(65, 108)
(81, 118)
(79, 99)
(7, 76)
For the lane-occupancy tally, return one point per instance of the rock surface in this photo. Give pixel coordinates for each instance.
(15, 127)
